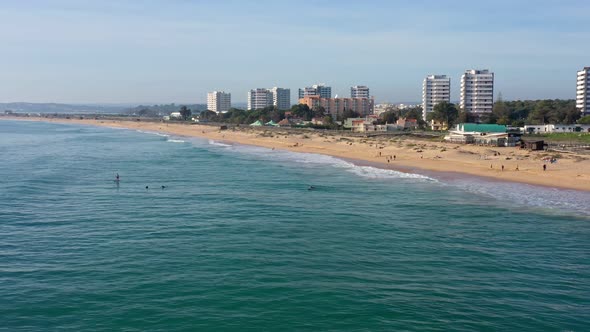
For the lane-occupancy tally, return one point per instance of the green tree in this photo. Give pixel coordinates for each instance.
(319, 112)
(389, 117)
(584, 120)
(348, 113)
(186, 113)
(302, 111)
(207, 115)
(444, 112)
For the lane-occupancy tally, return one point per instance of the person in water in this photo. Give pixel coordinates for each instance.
(117, 177)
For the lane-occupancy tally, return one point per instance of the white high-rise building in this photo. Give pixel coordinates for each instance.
(316, 90)
(281, 98)
(435, 89)
(218, 101)
(359, 91)
(477, 91)
(259, 98)
(583, 91)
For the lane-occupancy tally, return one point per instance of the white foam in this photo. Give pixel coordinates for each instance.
(314, 160)
(212, 142)
(175, 140)
(152, 133)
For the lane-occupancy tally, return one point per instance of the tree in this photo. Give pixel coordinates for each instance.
(389, 117)
(206, 115)
(444, 112)
(186, 113)
(584, 120)
(349, 113)
(303, 111)
(319, 112)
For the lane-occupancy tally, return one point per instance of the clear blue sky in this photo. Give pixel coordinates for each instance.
(176, 50)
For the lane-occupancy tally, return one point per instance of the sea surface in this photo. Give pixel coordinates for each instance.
(236, 241)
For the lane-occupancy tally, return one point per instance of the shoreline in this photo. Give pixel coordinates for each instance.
(431, 158)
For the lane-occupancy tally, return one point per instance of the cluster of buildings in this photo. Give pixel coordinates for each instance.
(476, 95)
(315, 96)
(477, 92)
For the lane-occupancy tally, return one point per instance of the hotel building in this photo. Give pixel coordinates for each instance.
(583, 91)
(336, 106)
(359, 91)
(435, 89)
(320, 90)
(218, 101)
(477, 91)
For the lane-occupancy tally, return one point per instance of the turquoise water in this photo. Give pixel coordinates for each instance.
(236, 241)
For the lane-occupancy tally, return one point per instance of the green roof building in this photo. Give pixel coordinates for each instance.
(481, 128)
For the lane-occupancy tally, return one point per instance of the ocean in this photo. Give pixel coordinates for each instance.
(236, 241)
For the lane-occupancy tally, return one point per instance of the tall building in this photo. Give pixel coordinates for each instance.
(281, 98)
(218, 101)
(336, 106)
(359, 91)
(320, 90)
(583, 91)
(259, 98)
(477, 91)
(435, 89)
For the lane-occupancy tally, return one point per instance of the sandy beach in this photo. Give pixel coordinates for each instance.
(571, 171)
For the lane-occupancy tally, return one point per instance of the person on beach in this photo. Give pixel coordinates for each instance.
(394, 156)
(544, 167)
(502, 168)
(517, 167)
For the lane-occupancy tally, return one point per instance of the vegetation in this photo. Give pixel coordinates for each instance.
(521, 112)
(186, 113)
(161, 110)
(444, 112)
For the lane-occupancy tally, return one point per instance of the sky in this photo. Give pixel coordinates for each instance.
(163, 51)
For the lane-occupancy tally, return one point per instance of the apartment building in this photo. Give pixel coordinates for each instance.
(477, 91)
(261, 98)
(218, 101)
(336, 106)
(435, 89)
(281, 98)
(583, 91)
(320, 90)
(359, 91)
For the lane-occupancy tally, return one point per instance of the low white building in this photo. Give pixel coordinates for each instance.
(175, 115)
(556, 128)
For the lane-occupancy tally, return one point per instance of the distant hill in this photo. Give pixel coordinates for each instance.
(23, 107)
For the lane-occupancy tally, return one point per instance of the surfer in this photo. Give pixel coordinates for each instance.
(163, 187)
(311, 188)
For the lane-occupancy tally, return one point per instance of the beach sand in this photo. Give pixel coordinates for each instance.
(571, 171)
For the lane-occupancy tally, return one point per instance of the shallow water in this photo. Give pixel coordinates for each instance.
(236, 241)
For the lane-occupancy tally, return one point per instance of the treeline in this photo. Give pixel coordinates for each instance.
(163, 109)
(240, 116)
(521, 112)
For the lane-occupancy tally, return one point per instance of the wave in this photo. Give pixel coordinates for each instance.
(314, 159)
(212, 142)
(508, 193)
(175, 140)
(152, 133)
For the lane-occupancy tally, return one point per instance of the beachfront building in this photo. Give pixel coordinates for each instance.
(281, 98)
(435, 89)
(557, 128)
(336, 106)
(583, 91)
(320, 90)
(477, 91)
(359, 91)
(261, 98)
(218, 101)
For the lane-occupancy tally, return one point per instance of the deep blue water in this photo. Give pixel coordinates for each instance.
(236, 241)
